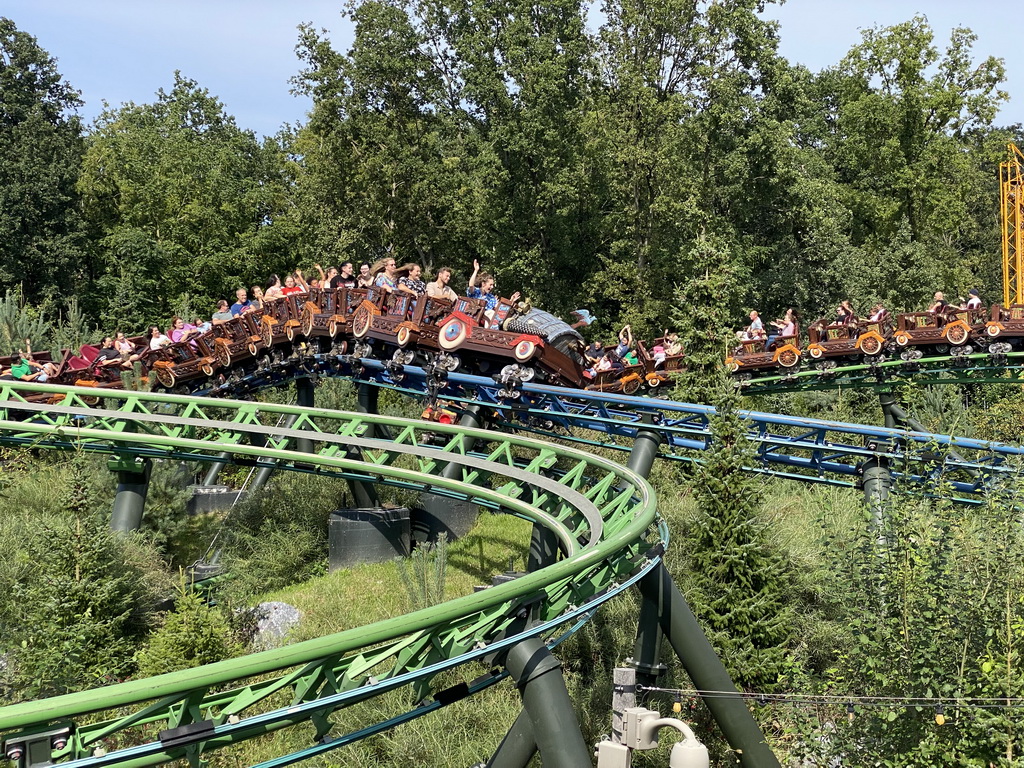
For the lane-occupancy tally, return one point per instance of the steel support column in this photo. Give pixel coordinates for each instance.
(452, 517)
(646, 658)
(706, 670)
(364, 494)
(305, 397)
(130, 499)
(518, 747)
(549, 715)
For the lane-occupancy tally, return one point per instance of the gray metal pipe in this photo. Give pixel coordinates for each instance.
(706, 670)
(518, 747)
(130, 498)
(547, 705)
(305, 397)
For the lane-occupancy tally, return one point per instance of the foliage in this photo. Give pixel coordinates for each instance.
(194, 633)
(197, 233)
(423, 573)
(737, 583)
(42, 239)
(89, 599)
(934, 611)
(20, 321)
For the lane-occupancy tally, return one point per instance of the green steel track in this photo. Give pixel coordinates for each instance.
(603, 515)
(979, 368)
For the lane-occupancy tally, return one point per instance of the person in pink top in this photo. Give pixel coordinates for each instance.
(182, 331)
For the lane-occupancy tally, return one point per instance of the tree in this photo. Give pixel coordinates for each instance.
(737, 583)
(42, 242)
(184, 194)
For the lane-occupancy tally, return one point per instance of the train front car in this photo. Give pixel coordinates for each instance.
(1004, 329)
(511, 347)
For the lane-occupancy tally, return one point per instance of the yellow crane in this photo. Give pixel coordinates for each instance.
(1011, 203)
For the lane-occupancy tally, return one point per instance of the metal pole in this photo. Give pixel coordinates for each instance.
(646, 659)
(707, 671)
(364, 494)
(265, 472)
(213, 472)
(888, 402)
(451, 516)
(130, 499)
(517, 748)
(548, 707)
(305, 397)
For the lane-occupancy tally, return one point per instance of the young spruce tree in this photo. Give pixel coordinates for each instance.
(738, 582)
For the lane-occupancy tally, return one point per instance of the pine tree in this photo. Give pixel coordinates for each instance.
(738, 582)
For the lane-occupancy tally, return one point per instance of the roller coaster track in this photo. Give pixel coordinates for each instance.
(979, 368)
(603, 515)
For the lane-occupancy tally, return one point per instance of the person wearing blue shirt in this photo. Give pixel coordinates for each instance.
(242, 304)
(485, 290)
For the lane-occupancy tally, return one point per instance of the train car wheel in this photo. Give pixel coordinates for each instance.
(252, 349)
(451, 363)
(289, 332)
(307, 320)
(267, 334)
(630, 387)
(816, 352)
(166, 377)
(527, 374)
(956, 335)
(524, 350)
(361, 322)
(223, 355)
(902, 339)
(869, 345)
(788, 358)
(403, 335)
(993, 330)
(452, 334)
(332, 328)
(207, 369)
(733, 366)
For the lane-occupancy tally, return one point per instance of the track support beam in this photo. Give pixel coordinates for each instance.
(548, 715)
(646, 658)
(706, 670)
(130, 498)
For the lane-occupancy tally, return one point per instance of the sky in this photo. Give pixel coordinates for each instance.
(243, 51)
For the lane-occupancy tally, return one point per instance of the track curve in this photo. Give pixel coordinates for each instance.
(603, 514)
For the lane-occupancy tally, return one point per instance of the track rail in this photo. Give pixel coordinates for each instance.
(603, 515)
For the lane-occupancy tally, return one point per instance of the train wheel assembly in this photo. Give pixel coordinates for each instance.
(788, 358)
(957, 335)
(452, 334)
(403, 335)
(450, 363)
(869, 345)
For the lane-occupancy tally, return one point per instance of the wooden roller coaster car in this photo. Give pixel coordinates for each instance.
(236, 339)
(327, 313)
(421, 329)
(935, 328)
(627, 380)
(468, 329)
(656, 374)
(185, 361)
(863, 337)
(784, 351)
(1005, 323)
(281, 319)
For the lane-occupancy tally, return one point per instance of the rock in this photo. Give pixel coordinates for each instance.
(274, 620)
